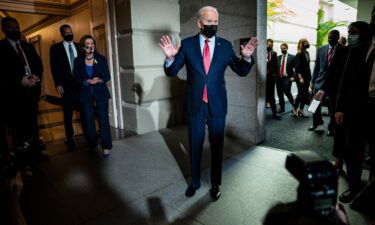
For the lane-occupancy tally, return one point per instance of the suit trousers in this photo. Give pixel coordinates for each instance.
(270, 93)
(302, 96)
(283, 86)
(70, 103)
(360, 133)
(197, 128)
(101, 110)
(25, 120)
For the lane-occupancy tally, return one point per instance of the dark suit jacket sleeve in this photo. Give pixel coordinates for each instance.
(240, 66)
(345, 83)
(316, 67)
(178, 63)
(104, 64)
(77, 71)
(53, 59)
(35, 62)
(292, 66)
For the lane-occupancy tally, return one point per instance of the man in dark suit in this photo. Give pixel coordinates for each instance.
(22, 69)
(285, 63)
(272, 75)
(358, 32)
(62, 57)
(356, 109)
(206, 57)
(323, 59)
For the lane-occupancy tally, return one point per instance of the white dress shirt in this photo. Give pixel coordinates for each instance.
(281, 63)
(66, 46)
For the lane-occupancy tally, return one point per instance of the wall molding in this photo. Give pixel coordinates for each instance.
(48, 8)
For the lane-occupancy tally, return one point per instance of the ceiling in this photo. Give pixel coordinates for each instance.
(352, 3)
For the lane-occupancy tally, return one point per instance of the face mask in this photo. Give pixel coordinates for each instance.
(307, 46)
(269, 49)
(68, 37)
(90, 49)
(353, 39)
(284, 51)
(209, 30)
(13, 35)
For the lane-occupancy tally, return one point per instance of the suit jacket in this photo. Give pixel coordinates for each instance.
(302, 66)
(191, 56)
(13, 70)
(87, 91)
(321, 66)
(335, 70)
(353, 91)
(289, 65)
(60, 67)
(272, 68)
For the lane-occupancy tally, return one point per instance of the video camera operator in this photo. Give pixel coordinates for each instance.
(316, 194)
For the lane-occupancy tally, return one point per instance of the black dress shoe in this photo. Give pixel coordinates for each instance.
(330, 133)
(276, 117)
(215, 193)
(190, 191)
(312, 127)
(281, 110)
(70, 144)
(348, 195)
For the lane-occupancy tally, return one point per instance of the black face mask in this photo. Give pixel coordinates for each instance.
(307, 46)
(68, 37)
(209, 30)
(284, 51)
(13, 35)
(269, 49)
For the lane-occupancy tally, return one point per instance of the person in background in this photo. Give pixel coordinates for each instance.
(356, 109)
(342, 41)
(272, 75)
(92, 73)
(302, 76)
(324, 58)
(22, 71)
(62, 57)
(358, 32)
(285, 63)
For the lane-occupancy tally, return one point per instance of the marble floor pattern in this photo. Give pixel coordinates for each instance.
(144, 180)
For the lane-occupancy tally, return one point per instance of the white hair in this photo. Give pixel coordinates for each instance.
(207, 9)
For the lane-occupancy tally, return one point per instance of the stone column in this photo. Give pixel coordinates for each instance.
(147, 94)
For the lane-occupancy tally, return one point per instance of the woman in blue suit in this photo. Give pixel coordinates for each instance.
(92, 73)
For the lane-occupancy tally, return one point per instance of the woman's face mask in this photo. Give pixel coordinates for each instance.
(90, 49)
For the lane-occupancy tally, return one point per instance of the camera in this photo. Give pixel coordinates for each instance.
(17, 159)
(318, 182)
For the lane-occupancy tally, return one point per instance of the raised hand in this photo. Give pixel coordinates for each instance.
(250, 47)
(168, 48)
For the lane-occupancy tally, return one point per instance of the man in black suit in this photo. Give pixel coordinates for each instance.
(324, 57)
(356, 109)
(285, 63)
(22, 71)
(358, 32)
(271, 78)
(62, 57)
